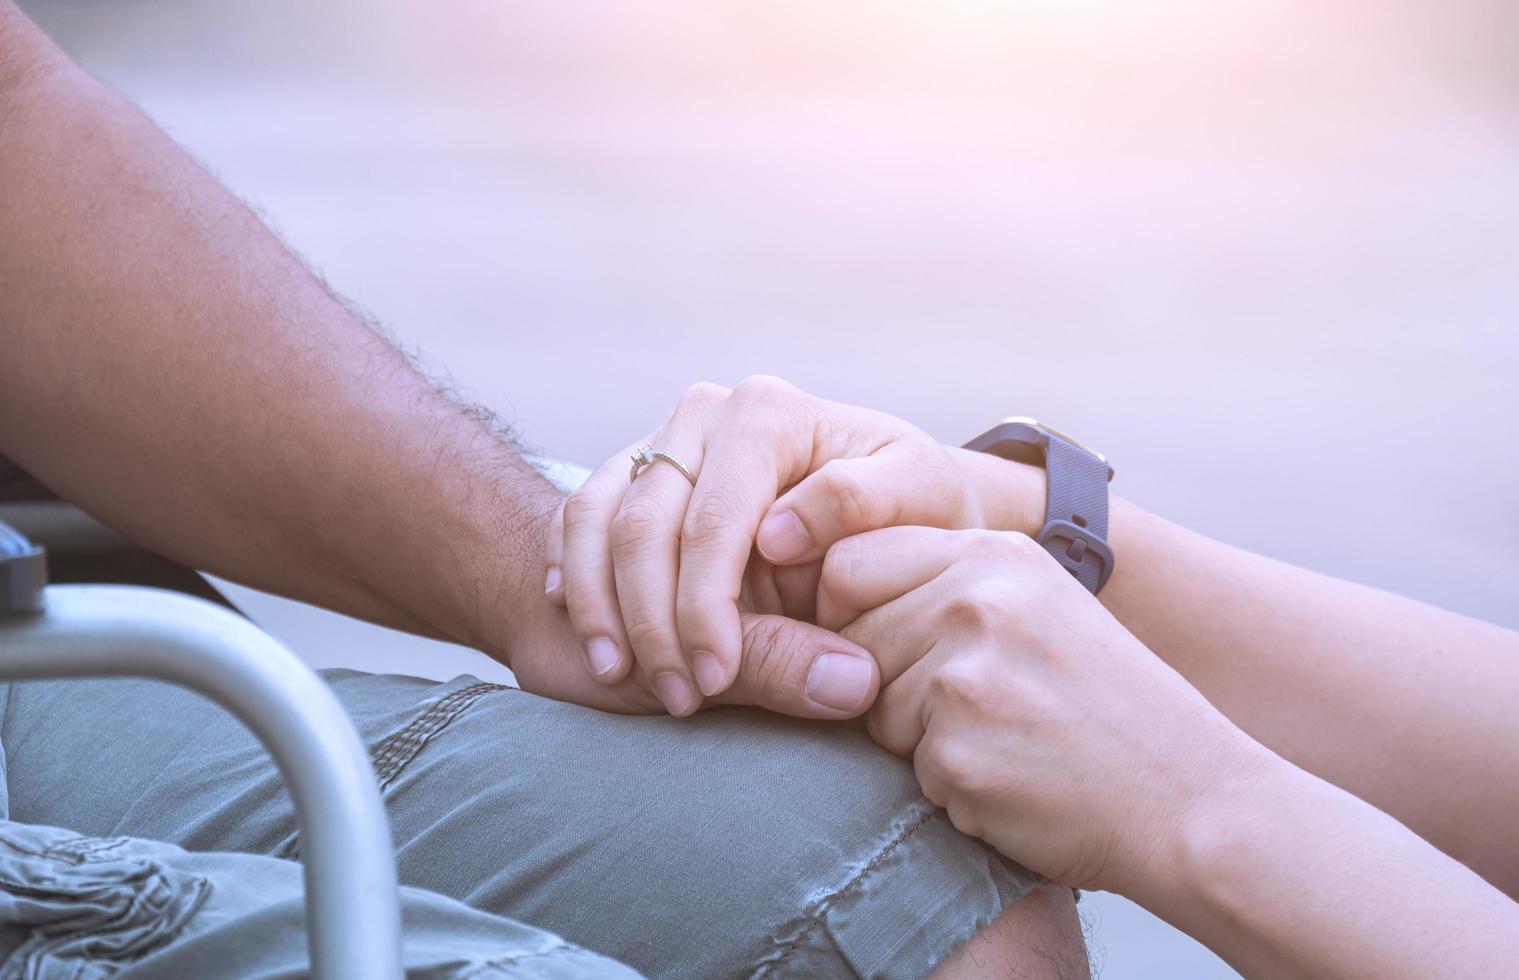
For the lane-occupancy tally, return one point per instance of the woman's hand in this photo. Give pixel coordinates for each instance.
(652, 571)
(1030, 714)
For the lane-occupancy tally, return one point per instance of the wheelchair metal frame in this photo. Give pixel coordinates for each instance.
(353, 918)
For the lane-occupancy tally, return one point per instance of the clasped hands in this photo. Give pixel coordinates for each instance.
(832, 561)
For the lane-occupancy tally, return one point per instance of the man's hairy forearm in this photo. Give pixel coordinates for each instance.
(172, 369)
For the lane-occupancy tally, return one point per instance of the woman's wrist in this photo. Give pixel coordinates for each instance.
(1010, 494)
(1212, 835)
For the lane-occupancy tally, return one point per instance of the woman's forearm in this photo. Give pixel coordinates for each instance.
(171, 368)
(1283, 874)
(1044, 727)
(1410, 707)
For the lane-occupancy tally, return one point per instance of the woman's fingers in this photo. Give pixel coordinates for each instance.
(587, 578)
(762, 432)
(903, 634)
(645, 542)
(870, 570)
(905, 482)
(897, 721)
(914, 637)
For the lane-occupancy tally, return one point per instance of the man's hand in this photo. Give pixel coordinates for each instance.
(782, 663)
(654, 571)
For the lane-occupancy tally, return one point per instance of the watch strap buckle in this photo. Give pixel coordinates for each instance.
(1079, 551)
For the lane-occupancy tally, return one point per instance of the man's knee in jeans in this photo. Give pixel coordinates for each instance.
(735, 843)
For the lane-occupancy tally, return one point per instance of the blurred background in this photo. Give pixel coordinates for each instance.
(1265, 255)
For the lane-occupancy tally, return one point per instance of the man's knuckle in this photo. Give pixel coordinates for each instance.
(767, 653)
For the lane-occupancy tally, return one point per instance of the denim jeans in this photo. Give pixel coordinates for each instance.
(735, 843)
(76, 907)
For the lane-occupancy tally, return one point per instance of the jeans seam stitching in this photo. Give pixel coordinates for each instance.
(827, 902)
(395, 751)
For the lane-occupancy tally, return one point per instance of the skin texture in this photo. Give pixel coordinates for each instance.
(1013, 690)
(1408, 707)
(1412, 708)
(1038, 936)
(173, 370)
(1042, 725)
(654, 571)
(1214, 738)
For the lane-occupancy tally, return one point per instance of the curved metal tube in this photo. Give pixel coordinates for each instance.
(62, 528)
(353, 918)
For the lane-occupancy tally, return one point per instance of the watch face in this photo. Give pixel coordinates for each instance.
(1025, 420)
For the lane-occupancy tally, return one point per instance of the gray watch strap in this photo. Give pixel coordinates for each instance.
(1076, 512)
(1075, 527)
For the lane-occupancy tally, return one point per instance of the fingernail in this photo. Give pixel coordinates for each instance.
(782, 537)
(603, 655)
(839, 681)
(552, 580)
(675, 693)
(709, 672)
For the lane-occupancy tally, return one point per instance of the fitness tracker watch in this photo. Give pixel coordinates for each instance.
(1076, 499)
